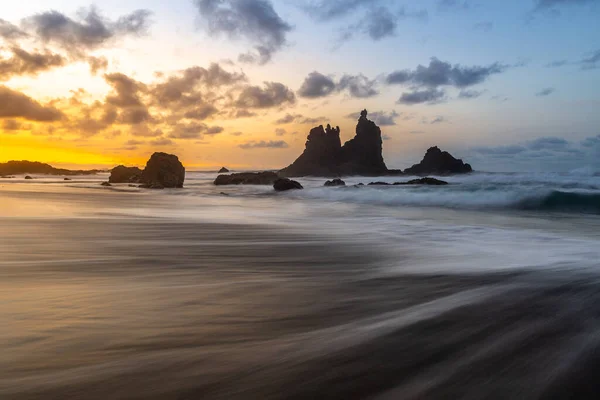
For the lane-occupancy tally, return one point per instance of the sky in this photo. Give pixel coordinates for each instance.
(506, 85)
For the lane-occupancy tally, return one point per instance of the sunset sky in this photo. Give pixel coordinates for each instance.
(506, 85)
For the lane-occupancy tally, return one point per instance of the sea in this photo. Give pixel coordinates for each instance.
(487, 288)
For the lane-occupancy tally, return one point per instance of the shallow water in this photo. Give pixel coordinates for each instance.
(326, 293)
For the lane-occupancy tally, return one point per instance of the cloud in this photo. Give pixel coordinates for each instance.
(545, 92)
(162, 142)
(280, 131)
(288, 118)
(192, 130)
(271, 144)
(273, 94)
(10, 32)
(255, 21)
(381, 22)
(556, 64)
(470, 94)
(381, 118)
(201, 112)
(316, 85)
(126, 91)
(485, 26)
(143, 130)
(214, 130)
(591, 60)
(430, 96)
(12, 125)
(236, 133)
(438, 120)
(133, 142)
(453, 5)
(359, 86)
(89, 31)
(546, 4)
(441, 73)
(97, 64)
(18, 105)
(23, 62)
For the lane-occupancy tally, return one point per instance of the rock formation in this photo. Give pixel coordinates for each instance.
(163, 171)
(283, 184)
(423, 181)
(325, 156)
(247, 178)
(34, 167)
(123, 174)
(28, 177)
(223, 171)
(105, 184)
(335, 182)
(438, 162)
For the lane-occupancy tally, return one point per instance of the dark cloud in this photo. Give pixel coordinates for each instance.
(546, 4)
(214, 130)
(144, 130)
(591, 60)
(271, 144)
(10, 32)
(470, 94)
(242, 113)
(280, 131)
(453, 5)
(441, 73)
(330, 9)
(97, 64)
(18, 105)
(134, 116)
(23, 62)
(381, 22)
(126, 91)
(89, 31)
(13, 125)
(430, 96)
(359, 86)
(201, 112)
(545, 92)
(381, 118)
(273, 94)
(162, 142)
(287, 119)
(485, 26)
(192, 130)
(316, 85)
(556, 64)
(253, 20)
(133, 142)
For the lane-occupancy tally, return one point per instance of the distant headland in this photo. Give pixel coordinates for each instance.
(34, 167)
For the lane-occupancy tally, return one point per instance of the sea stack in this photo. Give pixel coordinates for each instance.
(163, 171)
(325, 156)
(438, 162)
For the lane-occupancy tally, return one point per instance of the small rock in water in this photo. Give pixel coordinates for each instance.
(105, 184)
(423, 181)
(28, 177)
(247, 178)
(378, 183)
(284, 184)
(67, 179)
(335, 182)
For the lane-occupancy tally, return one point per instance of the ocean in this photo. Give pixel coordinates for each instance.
(487, 288)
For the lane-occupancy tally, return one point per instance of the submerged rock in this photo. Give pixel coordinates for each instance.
(223, 170)
(438, 162)
(163, 171)
(423, 181)
(247, 178)
(284, 184)
(324, 154)
(28, 177)
(105, 184)
(335, 182)
(123, 174)
(379, 184)
(67, 179)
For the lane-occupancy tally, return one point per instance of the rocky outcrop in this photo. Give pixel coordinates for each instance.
(283, 184)
(247, 178)
(123, 174)
(28, 177)
(34, 167)
(324, 154)
(223, 171)
(423, 181)
(163, 171)
(335, 182)
(438, 162)
(105, 184)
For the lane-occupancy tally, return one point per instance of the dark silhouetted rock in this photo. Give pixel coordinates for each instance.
(105, 184)
(163, 171)
(123, 174)
(283, 184)
(67, 179)
(379, 184)
(7, 177)
(247, 178)
(335, 182)
(325, 156)
(34, 167)
(132, 185)
(223, 171)
(437, 162)
(423, 181)
(28, 177)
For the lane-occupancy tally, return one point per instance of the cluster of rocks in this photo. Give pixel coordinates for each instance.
(438, 162)
(162, 171)
(324, 154)
(420, 181)
(247, 178)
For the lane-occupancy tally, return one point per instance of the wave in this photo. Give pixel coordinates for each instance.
(563, 201)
